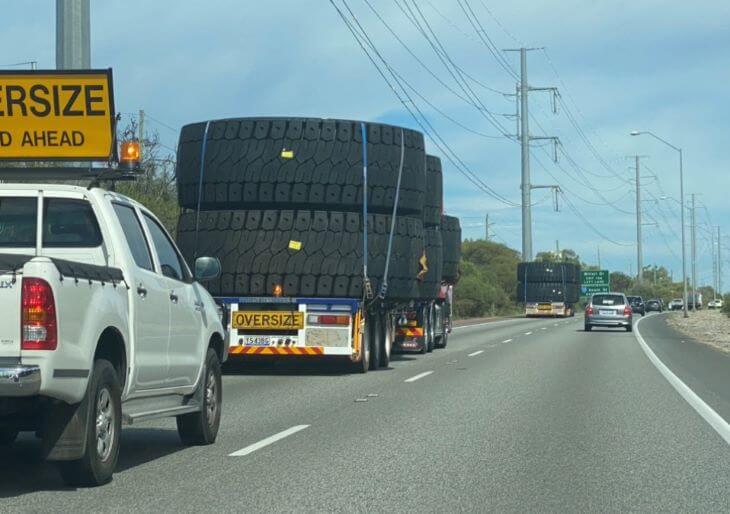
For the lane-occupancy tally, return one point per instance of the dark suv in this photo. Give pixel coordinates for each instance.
(637, 304)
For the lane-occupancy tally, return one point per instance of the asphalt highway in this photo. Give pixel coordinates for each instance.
(519, 415)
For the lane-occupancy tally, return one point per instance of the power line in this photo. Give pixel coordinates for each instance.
(423, 120)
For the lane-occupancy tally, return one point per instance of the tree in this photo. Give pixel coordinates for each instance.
(155, 186)
(620, 281)
(488, 280)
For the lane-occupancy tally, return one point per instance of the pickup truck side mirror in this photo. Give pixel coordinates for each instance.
(207, 268)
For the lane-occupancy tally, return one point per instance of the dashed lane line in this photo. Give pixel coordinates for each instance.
(418, 377)
(269, 440)
(472, 354)
(528, 333)
(507, 341)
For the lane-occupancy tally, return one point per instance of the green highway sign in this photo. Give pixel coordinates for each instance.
(592, 282)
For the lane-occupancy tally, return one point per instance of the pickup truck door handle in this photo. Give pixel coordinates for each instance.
(141, 291)
(199, 306)
(173, 297)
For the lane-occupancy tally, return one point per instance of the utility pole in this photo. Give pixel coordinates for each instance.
(639, 264)
(140, 128)
(486, 227)
(525, 141)
(719, 262)
(525, 138)
(73, 42)
(714, 264)
(598, 251)
(694, 254)
(557, 249)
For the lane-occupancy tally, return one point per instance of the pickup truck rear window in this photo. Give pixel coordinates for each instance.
(69, 223)
(18, 219)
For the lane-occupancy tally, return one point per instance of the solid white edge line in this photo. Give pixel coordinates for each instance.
(269, 440)
(418, 377)
(708, 414)
(472, 354)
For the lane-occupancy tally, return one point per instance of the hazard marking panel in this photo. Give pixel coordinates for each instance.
(56, 115)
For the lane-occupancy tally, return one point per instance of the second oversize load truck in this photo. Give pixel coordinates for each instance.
(548, 288)
(323, 228)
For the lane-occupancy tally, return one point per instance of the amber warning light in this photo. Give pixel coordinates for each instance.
(130, 155)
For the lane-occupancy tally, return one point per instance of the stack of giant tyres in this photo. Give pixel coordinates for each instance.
(280, 202)
(451, 238)
(548, 282)
(433, 243)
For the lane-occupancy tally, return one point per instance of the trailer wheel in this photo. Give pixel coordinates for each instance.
(431, 332)
(386, 339)
(362, 364)
(375, 340)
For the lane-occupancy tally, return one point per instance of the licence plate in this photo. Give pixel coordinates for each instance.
(607, 313)
(267, 320)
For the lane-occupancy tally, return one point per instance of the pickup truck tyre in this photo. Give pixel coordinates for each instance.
(299, 162)
(201, 428)
(104, 425)
(434, 200)
(7, 436)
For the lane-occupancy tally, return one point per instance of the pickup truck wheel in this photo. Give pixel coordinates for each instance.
(7, 436)
(104, 424)
(201, 428)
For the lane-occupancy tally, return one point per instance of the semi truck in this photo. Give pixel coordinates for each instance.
(328, 231)
(548, 289)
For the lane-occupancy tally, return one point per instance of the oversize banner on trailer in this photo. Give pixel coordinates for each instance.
(56, 115)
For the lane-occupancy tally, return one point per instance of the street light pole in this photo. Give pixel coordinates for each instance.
(681, 203)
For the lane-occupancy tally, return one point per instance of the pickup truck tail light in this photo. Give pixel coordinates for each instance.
(38, 327)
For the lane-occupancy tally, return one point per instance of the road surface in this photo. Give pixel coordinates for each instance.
(519, 415)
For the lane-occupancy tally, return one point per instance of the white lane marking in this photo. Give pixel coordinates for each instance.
(511, 320)
(419, 376)
(507, 341)
(269, 440)
(472, 354)
(555, 324)
(708, 414)
(543, 328)
(528, 333)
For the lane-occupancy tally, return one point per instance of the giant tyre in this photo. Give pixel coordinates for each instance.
(308, 253)
(451, 239)
(7, 436)
(547, 292)
(548, 272)
(201, 428)
(431, 282)
(104, 423)
(434, 200)
(306, 163)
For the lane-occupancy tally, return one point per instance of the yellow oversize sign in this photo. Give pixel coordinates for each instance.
(56, 115)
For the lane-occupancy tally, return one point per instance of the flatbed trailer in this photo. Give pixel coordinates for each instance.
(549, 309)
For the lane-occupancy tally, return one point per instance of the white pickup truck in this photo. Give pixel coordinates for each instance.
(102, 322)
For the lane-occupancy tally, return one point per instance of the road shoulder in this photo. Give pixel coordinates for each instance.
(702, 369)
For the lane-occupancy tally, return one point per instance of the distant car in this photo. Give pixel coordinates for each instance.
(676, 305)
(654, 306)
(637, 304)
(715, 304)
(609, 310)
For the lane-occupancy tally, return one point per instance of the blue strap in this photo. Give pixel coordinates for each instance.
(363, 130)
(384, 287)
(200, 187)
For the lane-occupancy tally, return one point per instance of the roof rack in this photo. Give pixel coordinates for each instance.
(96, 175)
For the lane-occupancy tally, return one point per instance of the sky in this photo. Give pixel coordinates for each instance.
(654, 65)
